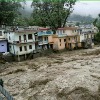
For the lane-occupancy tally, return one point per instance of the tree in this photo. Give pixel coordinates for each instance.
(77, 23)
(8, 11)
(97, 24)
(20, 21)
(53, 13)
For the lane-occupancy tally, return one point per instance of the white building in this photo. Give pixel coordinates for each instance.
(2, 34)
(21, 42)
(88, 28)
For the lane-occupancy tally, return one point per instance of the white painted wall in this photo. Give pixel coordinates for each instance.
(15, 48)
(2, 35)
(58, 32)
(11, 37)
(81, 37)
(15, 37)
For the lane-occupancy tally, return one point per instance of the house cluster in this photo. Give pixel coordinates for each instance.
(21, 42)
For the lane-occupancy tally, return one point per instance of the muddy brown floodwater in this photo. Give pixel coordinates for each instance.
(71, 75)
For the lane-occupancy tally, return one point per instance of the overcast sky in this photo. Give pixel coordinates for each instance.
(83, 7)
(87, 7)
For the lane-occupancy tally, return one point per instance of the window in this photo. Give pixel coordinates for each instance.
(9, 46)
(60, 40)
(60, 44)
(4, 32)
(45, 38)
(0, 33)
(75, 30)
(2, 45)
(24, 36)
(69, 39)
(64, 40)
(29, 36)
(25, 48)
(9, 38)
(20, 48)
(30, 46)
(20, 38)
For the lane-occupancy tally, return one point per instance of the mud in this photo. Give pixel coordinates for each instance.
(70, 75)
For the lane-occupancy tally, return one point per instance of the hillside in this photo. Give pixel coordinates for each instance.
(79, 18)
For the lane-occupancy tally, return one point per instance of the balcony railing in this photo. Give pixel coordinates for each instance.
(43, 42)
(23, 41)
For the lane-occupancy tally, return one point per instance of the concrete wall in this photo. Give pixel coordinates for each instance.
(15, 49)
(12, 36)
(81, 36)
(50, 38)
(59, 43)
(79, 45)
(70, 45)
(2, 34)
(71, 32)
(71, 42)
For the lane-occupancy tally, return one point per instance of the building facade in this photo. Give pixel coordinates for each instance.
(21, 42)
(43, 35)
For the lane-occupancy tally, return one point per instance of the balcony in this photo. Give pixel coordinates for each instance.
(42, 42)
(23, 41)
(45, 33)
(45, 42)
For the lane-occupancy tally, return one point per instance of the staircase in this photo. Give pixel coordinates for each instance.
(5, 93)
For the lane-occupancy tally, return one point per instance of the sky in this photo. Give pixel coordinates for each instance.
(85, 7)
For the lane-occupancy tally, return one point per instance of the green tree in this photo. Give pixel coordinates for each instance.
(53, 13)
(8, 11)
(77, 23)
(97, 24)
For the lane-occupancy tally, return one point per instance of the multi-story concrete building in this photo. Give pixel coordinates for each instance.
(43, 35)
(21, 42)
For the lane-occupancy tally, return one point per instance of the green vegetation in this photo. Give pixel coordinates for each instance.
(9, 10)
(51, 12)
(97, 24)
